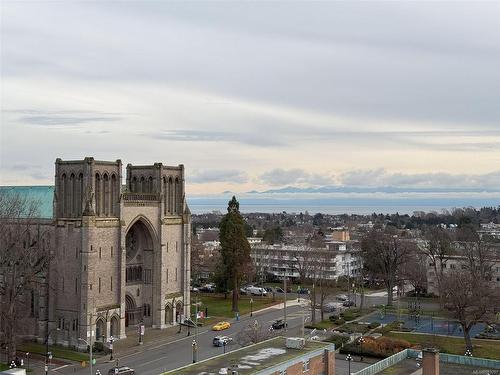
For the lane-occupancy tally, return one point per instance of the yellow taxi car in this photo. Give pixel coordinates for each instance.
(220, 326)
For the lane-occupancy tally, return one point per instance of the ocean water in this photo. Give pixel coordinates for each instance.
(361, 206)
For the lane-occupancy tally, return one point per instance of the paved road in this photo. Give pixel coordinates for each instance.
(178, 352)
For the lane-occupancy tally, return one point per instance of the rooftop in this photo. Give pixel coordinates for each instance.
(254, 358)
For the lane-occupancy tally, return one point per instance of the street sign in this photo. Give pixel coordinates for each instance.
(50, 355)
(93, 361)
(46, 368)
(142, 329)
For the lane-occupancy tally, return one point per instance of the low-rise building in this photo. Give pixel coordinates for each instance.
(335, 260)
(270, 357)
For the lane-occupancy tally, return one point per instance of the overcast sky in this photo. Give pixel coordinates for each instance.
(255, 95)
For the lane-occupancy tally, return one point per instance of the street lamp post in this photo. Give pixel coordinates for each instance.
(251, 306)
(90, 351)
(349, 359)
(361, 341)
(47, 353)
(111, 348)
(194, 345)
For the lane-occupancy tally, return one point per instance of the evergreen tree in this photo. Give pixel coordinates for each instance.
(234, 249)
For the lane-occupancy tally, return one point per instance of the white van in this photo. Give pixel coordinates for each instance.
(256, 291)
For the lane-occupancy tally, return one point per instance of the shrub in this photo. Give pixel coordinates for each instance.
(373, 325)
(350, 314)
(381, 347)
(99, 347)
(338, 340)
(336, 320)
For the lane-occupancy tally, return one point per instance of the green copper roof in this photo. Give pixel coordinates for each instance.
(42, 194)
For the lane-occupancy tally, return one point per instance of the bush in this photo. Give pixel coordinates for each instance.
(338, 340)
(373, 325)
(99, 347)
(336, 320)
(350, 314)
(381, 347)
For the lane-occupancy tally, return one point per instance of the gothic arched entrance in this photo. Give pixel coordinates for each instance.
(132, 313)
(139, 244)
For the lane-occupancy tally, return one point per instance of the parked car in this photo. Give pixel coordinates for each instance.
(303, 291)
(243, 290)
(268, 289)
(221, 326)
(348, 303)
(207, 288)
(329, 307)
(221, 340)
(256, 291)
(121, 370)
(342, 297)
(279, 290)
(279, 324)
(194, 289)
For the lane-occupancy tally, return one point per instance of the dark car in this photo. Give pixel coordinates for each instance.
(279, 290)
(221, 340)
(268, 289)
(121, 371)
(279, 324)
(348, 303)
(303, 291)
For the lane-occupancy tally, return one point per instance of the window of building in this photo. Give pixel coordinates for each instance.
(111, 251)
(175, 273)
(147, 276)
(76, 253)
(111, 283)
(175, 246)
(99, 285)
(63, 284)
(305, 366)
(138, 293)
(100, 253)
(76, 285)
(167, 275)
(452, 266)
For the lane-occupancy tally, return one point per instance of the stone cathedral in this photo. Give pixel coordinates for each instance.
(121, 251)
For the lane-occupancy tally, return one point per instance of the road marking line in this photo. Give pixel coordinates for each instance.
(61, 367)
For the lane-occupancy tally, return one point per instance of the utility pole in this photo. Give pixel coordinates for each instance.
(284, 290)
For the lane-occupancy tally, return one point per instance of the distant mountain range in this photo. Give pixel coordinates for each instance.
(375, 189)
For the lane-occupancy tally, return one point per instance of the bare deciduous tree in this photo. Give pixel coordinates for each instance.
(24, 259)
(468, 291)
(384, 253)
(253, 333)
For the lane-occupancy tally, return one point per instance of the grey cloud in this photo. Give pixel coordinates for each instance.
(218, 175)
(280, 177)
(254, 139)
(56, 120)
(381, 177)
(415, 61)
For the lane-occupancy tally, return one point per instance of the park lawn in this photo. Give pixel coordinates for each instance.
(57, 351)
(453, 345)
(3, 366)
(323, 324)
(218, 307)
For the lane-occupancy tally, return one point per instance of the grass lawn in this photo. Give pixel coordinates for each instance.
(57, 352)
(324, 324)
(218, 307)
(3, 366)
(453, 345)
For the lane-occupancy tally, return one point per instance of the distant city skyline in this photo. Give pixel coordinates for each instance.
(401, 96)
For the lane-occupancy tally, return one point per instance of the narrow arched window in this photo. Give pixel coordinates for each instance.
(165, 196)
(150, 184)
(170, 194)
(72, 195)
(62, 195)
(80, 194)
(143, 185)
(105, 195)
(114, 195)
(98, 194)
(176, 198)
